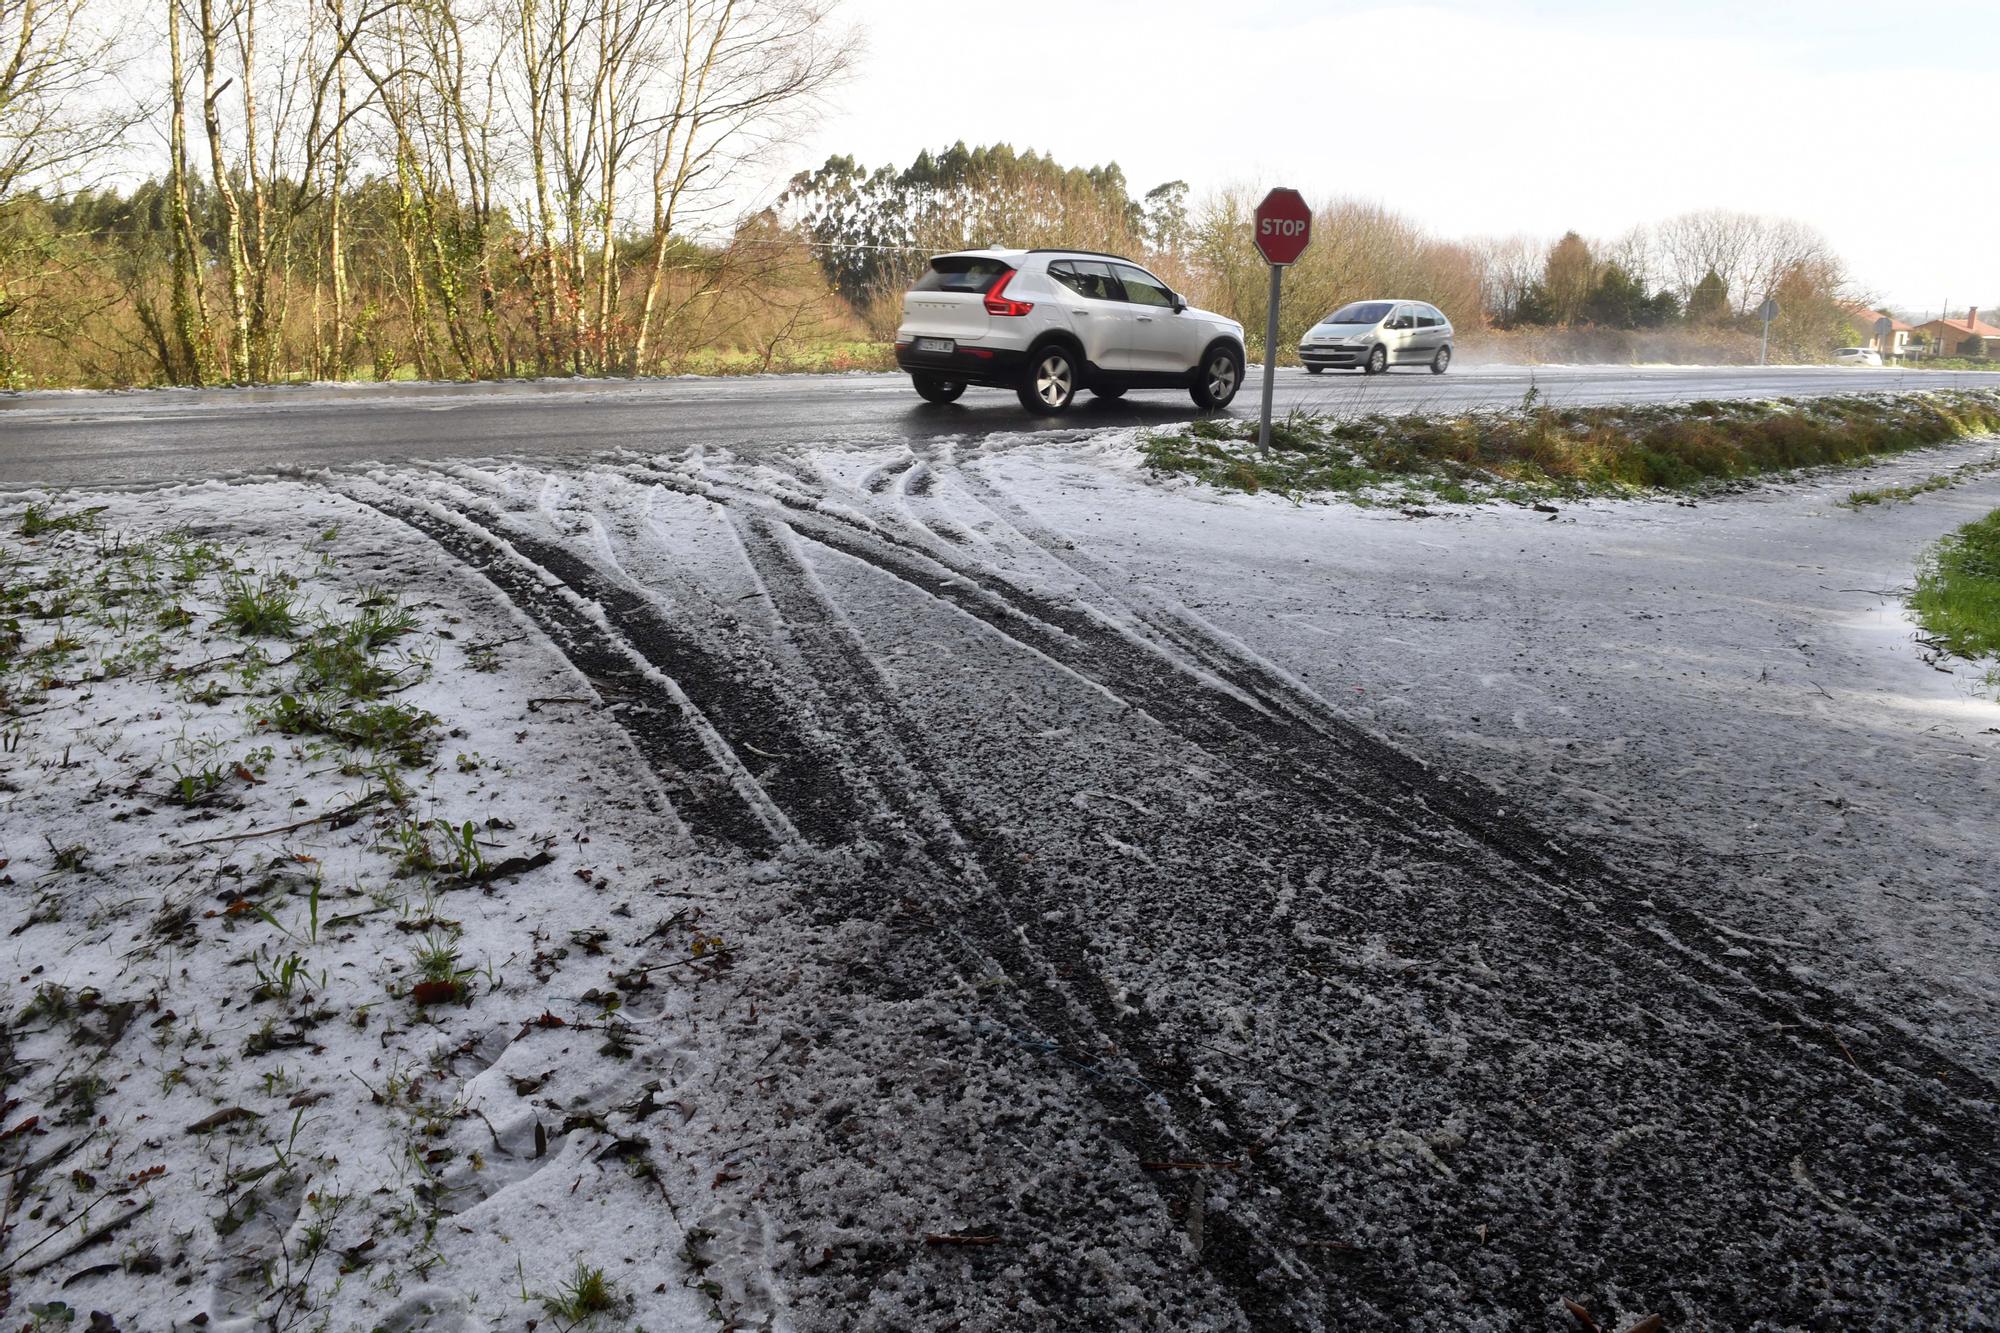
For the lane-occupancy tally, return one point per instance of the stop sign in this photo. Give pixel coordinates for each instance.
(1284, 226)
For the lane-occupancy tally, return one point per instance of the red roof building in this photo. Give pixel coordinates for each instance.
(1952, 336)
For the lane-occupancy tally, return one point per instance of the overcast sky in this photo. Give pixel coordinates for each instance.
(1875, 122)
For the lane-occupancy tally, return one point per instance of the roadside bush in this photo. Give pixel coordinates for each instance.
(1571, 451)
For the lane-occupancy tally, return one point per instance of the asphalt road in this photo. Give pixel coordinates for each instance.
(148, 436)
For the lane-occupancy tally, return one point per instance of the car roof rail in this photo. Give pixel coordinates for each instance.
(1067, 250)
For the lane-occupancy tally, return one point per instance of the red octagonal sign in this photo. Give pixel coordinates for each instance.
(1284, 226)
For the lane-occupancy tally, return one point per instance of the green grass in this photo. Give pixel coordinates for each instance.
(37, 520)
(394, 729)
(586, 1294)
(1952, 363)
(1937, 481)
(265, 607)
(1540, 450)
(1957, 600)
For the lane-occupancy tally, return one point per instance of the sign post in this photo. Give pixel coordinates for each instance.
(1283, 231)
(1768, 312)
(1885, 335)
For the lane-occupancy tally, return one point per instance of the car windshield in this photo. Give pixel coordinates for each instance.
(1361, 312)
(961, 273)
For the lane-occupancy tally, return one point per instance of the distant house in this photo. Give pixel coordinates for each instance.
(1897, 341)
(1951, 336)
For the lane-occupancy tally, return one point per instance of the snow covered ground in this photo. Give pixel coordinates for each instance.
(230, 1105)
(987, 888)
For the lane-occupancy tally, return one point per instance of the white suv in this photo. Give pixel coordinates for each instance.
(1046, 323)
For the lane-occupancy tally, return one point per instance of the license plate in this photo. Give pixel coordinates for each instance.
(937, 345)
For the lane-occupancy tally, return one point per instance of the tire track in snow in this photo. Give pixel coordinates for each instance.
(1065, 998)
(1290, 739)
(1080, 1019)
(1195, 683)
(710, 794)
(1375, 770)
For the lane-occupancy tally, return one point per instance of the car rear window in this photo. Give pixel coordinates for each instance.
(961, 273)
(1361, 312)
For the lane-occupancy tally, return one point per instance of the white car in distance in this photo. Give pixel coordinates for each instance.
(1857, 356)
(1371, 336)
(1048, 323)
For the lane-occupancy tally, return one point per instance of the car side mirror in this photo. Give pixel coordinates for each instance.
(1180, 302)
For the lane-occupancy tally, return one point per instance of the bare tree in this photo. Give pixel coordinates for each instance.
(58, 63)
(1510, 266)
(57, 76)
(730, 75)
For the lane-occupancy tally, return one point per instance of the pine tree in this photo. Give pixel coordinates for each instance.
(1617, 301)
(1568, 277)
(1708, 303)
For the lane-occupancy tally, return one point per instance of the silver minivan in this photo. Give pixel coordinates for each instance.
(1374, 335)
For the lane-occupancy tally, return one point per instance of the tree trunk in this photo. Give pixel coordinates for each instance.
(190, 295)
(232, 209)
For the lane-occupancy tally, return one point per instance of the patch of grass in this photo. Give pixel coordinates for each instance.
(68, 860)
(1951, 363)
(1937, 481)
(37, 520)
(1540, 450)
(435, 846)
(340, 663)
(398, 730)
(51, 1001)
(588, 1292)
(284, 977)
(440, 979)
(1895, 494)
(192, 786)
(262, 608)
(1957, 599)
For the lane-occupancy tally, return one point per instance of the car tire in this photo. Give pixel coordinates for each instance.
(1378, 361)
(1049, 385)
(936, 389)
(1110, 392)
(1218, 378)
(1441, 362)
(1315, 370)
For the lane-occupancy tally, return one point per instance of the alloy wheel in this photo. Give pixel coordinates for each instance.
(1054, 380)
(1221, 377)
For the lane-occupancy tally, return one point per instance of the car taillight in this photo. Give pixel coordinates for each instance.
(997, 302)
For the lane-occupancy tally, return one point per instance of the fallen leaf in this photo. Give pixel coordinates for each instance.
(1581, 1315)
(228, 1115)
(434, 992)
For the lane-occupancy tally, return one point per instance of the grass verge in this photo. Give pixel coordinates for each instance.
(257, 920)
(1957, 599)
(1937, 481)
(1538, 451)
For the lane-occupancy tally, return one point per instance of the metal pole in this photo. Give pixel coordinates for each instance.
(1764, 350)
(1270, 362)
